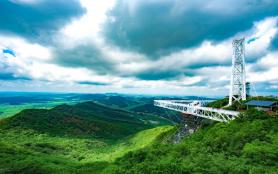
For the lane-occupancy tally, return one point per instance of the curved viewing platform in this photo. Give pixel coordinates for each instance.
(197, 108)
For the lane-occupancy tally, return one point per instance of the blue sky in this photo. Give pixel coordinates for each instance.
(136, 46)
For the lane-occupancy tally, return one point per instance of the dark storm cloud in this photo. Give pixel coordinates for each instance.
(158, 75)
(84, 56)
(170, 74)
(202, 83)
(252, 40)
(274, 43)
(92, 83)
(159, 27)
(11, 77)
(37, 20)
(259, 68)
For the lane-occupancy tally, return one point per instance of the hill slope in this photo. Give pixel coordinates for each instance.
(149, 108)
(83, 119)
(91, 138)
(81, 138)
(27, 152)
(246, 145)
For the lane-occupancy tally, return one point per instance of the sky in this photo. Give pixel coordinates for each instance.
(156, 47)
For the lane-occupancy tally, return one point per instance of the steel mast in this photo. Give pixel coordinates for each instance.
(238, 78)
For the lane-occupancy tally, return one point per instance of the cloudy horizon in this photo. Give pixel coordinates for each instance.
(171, 47)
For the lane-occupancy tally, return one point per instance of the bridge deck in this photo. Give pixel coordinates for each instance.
(197, 109)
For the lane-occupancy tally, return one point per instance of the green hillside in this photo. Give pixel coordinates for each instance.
(136, 104)
(81, 138)
(27, 151)
(149, 108)
(117, 101)
(13, 103)
(246, 145)
(84, 119)
(92, 138)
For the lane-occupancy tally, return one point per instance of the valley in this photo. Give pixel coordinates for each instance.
(27, 151)
(12, 103)
(92, 134)
(77, 137)
(138, 87)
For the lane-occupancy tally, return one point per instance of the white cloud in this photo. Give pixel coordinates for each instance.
(264, 31)
(269, 66)
(35, 60)
(221, 52)
(24, 49)
(87, 31)
(205, 53)
(87, 28)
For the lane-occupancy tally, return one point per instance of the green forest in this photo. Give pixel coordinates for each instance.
(92, 138)
(248, 144)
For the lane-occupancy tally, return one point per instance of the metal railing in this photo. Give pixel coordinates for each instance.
(196, 108)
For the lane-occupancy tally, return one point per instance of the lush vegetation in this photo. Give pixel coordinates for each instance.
(239, 106)
(27, 151)
(8, 110)
(86, 119)
(246, 145)
(13, 103)
(93, 138)
(81, 138)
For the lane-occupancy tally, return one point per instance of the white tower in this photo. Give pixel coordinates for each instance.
(238, 88)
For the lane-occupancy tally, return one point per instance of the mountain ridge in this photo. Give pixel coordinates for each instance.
(87, 118)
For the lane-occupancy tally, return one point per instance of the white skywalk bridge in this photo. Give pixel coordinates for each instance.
(196, 108)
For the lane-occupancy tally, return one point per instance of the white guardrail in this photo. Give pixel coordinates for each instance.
(196, 108)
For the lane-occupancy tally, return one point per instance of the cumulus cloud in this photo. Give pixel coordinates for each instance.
(150, 46)
(34, 61)
(37, 19)
(210, 54)
(159, 27)
(265, 69)
(24, 49)
(274, 43)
